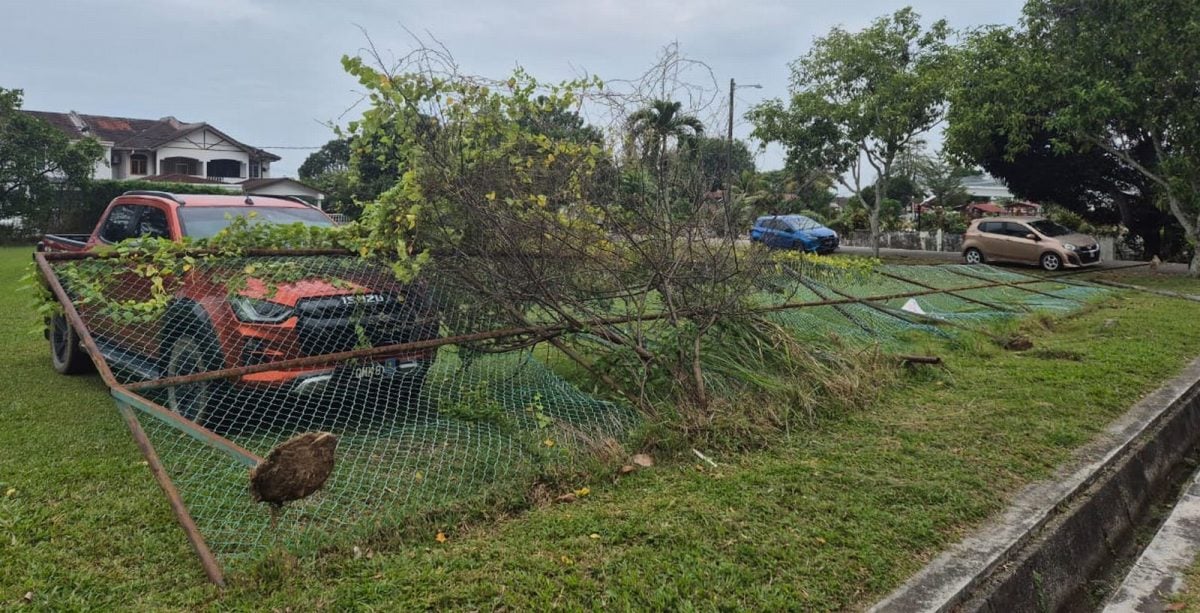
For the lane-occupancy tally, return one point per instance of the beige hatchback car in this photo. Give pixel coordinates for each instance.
(1028, 240)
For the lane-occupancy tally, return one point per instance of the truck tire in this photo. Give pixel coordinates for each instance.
(66, 354)
(201, 402)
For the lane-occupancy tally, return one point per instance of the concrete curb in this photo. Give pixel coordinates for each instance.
(1040, 553)
(1158, 573)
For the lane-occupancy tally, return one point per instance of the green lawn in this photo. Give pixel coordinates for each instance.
(832, 518)
(1154, 280)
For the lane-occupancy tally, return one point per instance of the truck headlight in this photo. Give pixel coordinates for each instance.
(254, 311)
(1070, 247)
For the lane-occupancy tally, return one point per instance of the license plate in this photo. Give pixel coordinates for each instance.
(379, 369)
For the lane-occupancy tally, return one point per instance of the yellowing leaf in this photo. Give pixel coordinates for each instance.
(441, 537)
(548, 442)
(10, 491)
(418, 476)
(594, 536)
(583, 491)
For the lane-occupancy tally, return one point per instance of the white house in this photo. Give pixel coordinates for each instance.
(150, 148)
(286, 187)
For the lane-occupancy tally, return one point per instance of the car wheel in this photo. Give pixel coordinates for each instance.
(66, 354)
(201, 401)
(973, 256)
(1051, 262)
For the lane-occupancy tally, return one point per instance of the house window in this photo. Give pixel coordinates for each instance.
(255, 170)
(137, 164)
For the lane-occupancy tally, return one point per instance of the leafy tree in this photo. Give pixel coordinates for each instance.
(560, 124)
(941, 179)
(862, 97)
(329, 170)
(901, 189)
(1110, 81)
(333, 156)
(655, 126)
(714, 155)
(786, 191)
(37, 160)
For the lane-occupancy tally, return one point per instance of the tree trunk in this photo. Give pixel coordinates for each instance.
(1194, 265)
(875, 230)
(881, 186)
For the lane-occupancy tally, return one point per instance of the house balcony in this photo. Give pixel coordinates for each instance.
(212, 171)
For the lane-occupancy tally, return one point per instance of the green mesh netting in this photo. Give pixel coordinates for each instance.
(422, 426)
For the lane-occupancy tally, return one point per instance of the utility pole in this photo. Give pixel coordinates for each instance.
(727, 182)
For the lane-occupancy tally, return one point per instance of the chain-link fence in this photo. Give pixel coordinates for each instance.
(356, 400)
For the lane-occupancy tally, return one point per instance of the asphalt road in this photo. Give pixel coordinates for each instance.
(947, 256)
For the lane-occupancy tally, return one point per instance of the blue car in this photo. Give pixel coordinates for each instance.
(794, 232)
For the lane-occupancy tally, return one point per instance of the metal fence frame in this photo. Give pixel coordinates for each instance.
(129, 399)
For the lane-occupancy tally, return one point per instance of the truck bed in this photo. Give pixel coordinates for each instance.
(64, 242)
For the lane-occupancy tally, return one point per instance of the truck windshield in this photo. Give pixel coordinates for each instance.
(205, 222)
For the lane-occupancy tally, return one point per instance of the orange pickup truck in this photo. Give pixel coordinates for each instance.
(206, 327)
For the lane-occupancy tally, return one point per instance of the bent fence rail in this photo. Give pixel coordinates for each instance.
(286, 397)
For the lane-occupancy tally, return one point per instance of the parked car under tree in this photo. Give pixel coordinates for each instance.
(1028, 240)
(793, 232)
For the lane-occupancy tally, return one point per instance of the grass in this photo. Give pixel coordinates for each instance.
(1154, 280)
(833, 517)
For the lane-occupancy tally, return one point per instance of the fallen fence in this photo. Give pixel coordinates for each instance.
(285, 397)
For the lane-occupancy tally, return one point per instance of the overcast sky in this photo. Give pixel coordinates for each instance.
(268, 72)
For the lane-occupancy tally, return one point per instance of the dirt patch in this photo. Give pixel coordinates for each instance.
(1057, 354)
(1019, 342)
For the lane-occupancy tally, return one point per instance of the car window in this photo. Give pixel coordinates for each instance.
(1016, 230)
(1049, 228)
(804, 223)
(991, 227)
(153, 223)
(119, 224)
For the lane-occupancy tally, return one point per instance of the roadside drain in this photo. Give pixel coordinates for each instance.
(1064, 544)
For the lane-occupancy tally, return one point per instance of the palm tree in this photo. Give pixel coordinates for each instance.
(660, 122)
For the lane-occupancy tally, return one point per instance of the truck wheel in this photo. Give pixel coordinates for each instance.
(199, 402)
(66, 354)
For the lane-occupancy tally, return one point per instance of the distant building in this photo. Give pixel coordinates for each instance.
(1023, 209)
(284, 186)
(985, 188)
(171, 151)
(975, 210)
(144, 148)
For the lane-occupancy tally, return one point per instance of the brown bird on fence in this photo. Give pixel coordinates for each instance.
(295, 469)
